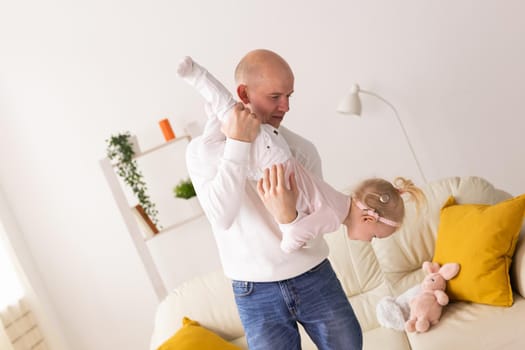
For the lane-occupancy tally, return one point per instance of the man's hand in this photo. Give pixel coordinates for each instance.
(278, 199)
(241, 124)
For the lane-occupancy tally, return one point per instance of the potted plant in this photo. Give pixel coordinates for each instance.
(184, 189)
(120, 150)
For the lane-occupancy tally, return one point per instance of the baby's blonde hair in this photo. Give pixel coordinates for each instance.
(385, 197)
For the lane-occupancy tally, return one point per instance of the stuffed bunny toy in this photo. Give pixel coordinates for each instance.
(426, 307)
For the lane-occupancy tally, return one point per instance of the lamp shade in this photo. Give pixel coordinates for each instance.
(351, 103)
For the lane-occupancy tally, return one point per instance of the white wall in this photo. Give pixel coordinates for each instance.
(12, 241)
(73, 72)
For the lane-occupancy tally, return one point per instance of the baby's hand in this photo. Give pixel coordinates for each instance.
(185, 66)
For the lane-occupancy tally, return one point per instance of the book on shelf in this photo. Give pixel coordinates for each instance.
(148, 228)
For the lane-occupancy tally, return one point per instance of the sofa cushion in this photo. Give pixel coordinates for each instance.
(482, 239)
(475, 326)
(385, 338)
(193, 336)
(356, 266)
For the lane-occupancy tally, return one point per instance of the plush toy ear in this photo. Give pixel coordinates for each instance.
(430, 267)
(449, 270)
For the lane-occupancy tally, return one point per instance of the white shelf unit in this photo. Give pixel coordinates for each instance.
(134, 229)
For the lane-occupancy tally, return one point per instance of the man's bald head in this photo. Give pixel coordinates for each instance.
(257, 64)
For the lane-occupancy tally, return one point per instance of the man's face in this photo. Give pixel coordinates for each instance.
(269, 96)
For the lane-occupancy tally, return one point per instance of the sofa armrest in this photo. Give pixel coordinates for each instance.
(207, 299)
(518, 265)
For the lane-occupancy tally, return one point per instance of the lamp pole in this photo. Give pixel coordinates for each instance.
(402, 128)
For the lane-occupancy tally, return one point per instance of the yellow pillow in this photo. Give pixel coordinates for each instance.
(482, 239)
(193, 336)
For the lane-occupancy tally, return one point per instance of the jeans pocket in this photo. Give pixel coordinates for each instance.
(242, 288)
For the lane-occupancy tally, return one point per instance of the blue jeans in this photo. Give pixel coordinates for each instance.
(270, 311)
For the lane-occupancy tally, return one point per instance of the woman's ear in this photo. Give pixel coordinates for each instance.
(243, 93)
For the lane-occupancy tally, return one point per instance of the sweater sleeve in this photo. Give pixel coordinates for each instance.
(218, 172)
(306, 227)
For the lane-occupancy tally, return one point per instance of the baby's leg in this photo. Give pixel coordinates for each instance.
(219, 98)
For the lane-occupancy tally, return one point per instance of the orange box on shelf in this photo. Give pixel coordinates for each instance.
(167, 131)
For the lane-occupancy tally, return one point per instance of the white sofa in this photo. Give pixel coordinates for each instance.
(369, 272)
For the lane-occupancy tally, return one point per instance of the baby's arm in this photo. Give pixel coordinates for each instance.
(321, 209)
(219, 99)
(308, 226)
(324, 216)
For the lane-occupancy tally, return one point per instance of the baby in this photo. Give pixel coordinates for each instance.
(320, 208)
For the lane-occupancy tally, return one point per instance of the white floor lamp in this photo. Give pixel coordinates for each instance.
(351, 104)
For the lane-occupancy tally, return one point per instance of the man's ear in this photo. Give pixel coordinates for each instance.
(243, 93)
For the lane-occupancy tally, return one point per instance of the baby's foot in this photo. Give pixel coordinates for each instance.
(185, 66)
(219, 98)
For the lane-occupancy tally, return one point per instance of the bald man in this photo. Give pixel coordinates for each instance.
(274, 290)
